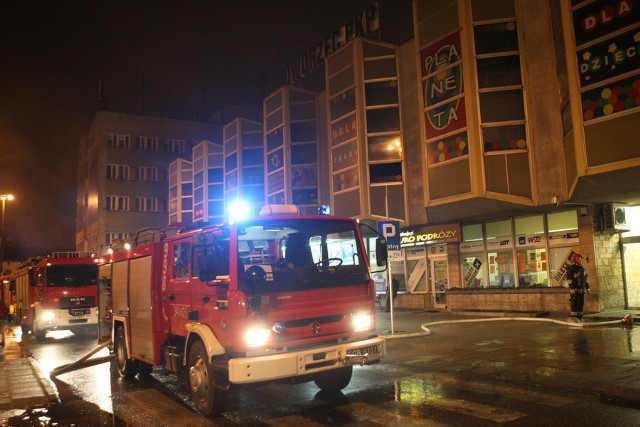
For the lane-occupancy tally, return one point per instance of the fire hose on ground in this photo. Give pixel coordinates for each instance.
(627, 320)
(85, 361)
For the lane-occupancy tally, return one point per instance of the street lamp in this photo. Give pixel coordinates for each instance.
(4, 198)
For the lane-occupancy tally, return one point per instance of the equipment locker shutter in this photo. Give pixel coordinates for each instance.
(119, 282)
(140, 276)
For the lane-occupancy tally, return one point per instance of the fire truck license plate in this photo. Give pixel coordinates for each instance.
(78, 312)
(372, 349)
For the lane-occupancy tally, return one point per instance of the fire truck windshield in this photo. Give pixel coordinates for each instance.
(296, 254)
(72, 275)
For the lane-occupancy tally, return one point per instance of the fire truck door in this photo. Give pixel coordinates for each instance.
(208, 298)
(176, 296)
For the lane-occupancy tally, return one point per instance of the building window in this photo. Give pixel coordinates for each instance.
(147, 173)
(500, 85)
(117, 203)
(118, 172)
(110, 237)
(147, 204)
(116, 140)
(147, 143)
(176, 146)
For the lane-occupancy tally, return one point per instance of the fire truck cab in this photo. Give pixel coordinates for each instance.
(278, 297)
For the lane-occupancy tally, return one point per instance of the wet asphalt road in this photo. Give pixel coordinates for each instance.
(485, 373)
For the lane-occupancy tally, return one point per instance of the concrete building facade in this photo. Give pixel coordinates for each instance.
(123, 174)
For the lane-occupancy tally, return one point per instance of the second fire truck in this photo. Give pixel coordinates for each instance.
(279, 297)
(57, 292)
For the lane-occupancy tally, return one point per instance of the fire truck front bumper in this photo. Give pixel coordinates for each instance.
(305, 362)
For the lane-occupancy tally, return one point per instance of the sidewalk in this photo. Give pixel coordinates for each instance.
(416, 323)
(22, 383)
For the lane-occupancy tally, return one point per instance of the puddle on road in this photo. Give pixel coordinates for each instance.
(72, 413)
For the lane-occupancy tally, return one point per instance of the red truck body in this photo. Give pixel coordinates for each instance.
(57, 292)
(273, 298)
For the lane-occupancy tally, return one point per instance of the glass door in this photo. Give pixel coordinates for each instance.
(439, 280)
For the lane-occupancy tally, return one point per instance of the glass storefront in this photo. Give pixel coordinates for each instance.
(526, 252)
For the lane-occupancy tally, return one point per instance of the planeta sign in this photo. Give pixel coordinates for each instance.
(442, 85)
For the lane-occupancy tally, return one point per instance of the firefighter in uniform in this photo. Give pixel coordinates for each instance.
(578, 285)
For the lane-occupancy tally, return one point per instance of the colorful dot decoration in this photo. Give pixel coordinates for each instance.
(499, 27)
(611, 99)
(501, 145)
(447, 149)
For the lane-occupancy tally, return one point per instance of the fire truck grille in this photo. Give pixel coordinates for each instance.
(73, 302)
(321, 320)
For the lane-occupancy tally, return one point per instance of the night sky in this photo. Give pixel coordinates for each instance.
(181, 59)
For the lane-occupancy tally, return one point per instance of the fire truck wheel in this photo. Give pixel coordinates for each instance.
(25, 329)
(334, 380)
(202, 381)
(40, 335)
(127, 367)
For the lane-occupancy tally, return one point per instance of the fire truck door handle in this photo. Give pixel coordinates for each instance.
(171, 297)
(206, 299)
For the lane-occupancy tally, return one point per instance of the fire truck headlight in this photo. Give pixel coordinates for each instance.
(255, 337)
(48, 316)
(361, 321)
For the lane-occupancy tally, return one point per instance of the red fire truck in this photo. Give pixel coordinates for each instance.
(277, 297)
(58, 291)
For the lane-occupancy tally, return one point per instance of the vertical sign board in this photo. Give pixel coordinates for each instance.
(390, 230)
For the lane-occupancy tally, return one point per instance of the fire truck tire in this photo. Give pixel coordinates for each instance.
(26, 330)
(334, 380)
(202, 381)
(40, 334)
(127, 367)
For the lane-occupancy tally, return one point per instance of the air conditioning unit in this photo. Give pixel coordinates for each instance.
(614, 217)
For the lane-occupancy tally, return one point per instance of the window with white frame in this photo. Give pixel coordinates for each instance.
(117, 171)
(117, 203)
(176, 146)
(147, 173)
(147, 204)
(110, 237)
(147, 143)
(116, 140)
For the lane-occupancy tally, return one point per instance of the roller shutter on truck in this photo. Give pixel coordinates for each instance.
(119, 281)
(140, 275)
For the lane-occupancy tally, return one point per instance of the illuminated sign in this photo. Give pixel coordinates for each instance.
(365, 23)
(499, 243)
(442, 82)
(427, 235)
(531, 240)
(563, 238)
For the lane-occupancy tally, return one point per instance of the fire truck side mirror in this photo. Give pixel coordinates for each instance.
(381, 251)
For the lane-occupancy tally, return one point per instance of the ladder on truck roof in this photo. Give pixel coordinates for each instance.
(71, 254)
